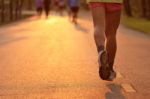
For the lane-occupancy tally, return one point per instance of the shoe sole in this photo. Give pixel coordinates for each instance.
(112, 76)
(104, 70)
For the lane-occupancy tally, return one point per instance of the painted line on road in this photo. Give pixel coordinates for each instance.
(119, 75)
(128, 88)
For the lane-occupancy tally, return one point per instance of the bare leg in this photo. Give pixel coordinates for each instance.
(112, 23)
(75, 17)
(99, 26)
(99, 35)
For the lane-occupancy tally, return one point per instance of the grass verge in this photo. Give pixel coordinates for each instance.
(23, 17)
(139, 24)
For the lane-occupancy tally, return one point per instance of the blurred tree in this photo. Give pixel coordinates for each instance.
(148, 9)
(143, 8)
(127, 7)
(136, 8)
(16, 8)
(30, 4)
(2, 10)
(11, 8)
(20, 5)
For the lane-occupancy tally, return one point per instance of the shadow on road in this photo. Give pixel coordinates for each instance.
(81, 28)
(8, 40)
(115, 92)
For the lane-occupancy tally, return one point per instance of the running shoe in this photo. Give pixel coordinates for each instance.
(113, 75)
(104, 69)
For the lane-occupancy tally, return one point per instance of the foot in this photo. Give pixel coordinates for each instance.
(113, 75)
(104, 70)
(74, 21)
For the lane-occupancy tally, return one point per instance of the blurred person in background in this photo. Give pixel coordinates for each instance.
(106, 18)
(56, 4)
(61, 6)
(39, 7)
(47, 4)
(74, 9)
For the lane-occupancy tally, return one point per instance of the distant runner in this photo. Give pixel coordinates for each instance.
(56, 5)
(39, 7)
(47, 4)
(106, 17)
(61, 6)
(74, 9)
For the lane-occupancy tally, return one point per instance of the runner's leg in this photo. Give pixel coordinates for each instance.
(47, 12)
(112, 23)
(75, 16)
(99, 34)
(98, 14)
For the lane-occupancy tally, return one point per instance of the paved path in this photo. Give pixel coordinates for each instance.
(53, 59)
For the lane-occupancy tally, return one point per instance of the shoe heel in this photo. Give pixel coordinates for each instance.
(104, 58)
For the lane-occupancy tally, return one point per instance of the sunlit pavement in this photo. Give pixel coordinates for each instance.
(55, 59)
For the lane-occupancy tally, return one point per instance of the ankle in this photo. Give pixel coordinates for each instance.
(100, 48)
(111, 66)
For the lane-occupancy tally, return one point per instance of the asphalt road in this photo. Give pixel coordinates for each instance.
(54, 59)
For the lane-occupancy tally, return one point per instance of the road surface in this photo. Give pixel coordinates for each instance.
(55, 59)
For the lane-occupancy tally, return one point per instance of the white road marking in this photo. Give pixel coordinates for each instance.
(128, 88)
(119, 75)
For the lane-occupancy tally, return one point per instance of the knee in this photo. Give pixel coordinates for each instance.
(99, 33)
(111, 38)
(111, 33)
